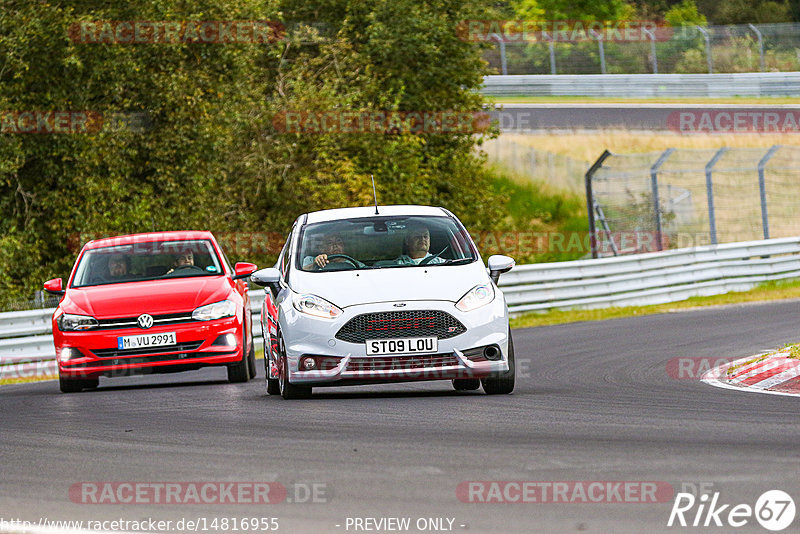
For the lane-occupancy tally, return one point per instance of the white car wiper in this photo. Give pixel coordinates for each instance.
(459, 261)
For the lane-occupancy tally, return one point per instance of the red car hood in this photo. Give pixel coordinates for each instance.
(154, 297)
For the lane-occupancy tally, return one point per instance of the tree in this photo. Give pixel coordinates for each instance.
(209, 155)
(54, 188)
(685, 14)
(399, 55)
(586, 10)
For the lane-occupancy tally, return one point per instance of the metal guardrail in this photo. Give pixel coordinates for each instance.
(652, 278)
(645, 85)
(26, 340)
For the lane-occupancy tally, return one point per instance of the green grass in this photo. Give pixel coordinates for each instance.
(763, 292)
(535, 210)
(745, 100)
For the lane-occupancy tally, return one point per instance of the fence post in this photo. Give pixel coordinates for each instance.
(654, 185)
(709, 60)
(652, 37)
(712, 221)
(552, 49)
(761, 64)
(590, 198)
(602, 51)
(762, 187)
(502, 44)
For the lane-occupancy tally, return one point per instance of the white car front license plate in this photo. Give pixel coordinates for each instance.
(402, 345)
(146, 340)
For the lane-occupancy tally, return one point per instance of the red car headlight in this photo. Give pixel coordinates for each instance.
(215, 310)
(70, 322)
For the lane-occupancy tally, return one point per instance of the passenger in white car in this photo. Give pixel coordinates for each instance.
(332, 244)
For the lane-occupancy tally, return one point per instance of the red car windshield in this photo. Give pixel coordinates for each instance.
(152, 260)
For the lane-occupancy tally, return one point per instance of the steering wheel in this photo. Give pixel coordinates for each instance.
(182, 267)
(352, 261)
(429, 259)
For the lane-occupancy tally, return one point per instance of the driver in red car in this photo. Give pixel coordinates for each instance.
(116, 269)
(118, 266)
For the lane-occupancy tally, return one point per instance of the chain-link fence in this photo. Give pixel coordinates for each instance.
(525, 161)
(686, 197)
(690, 49)
(41, 300)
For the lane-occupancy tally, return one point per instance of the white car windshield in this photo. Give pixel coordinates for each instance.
(147, 261)
(383, 242)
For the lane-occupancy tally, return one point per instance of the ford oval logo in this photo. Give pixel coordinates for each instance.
(399, 305)
(145, 320)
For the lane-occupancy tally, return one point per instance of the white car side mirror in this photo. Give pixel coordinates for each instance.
(499, 264)
(266, 277)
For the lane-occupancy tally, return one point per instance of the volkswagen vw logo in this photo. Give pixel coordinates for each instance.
(145, 320)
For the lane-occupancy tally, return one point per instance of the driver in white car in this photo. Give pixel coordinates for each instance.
(416, 245)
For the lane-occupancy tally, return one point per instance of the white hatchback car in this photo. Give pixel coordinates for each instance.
(384, 294)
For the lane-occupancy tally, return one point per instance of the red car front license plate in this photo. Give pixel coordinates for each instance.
(146, 340)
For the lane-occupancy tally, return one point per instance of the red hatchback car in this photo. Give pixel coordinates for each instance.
(152, 303)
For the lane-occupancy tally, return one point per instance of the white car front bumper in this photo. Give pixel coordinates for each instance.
(345, 362)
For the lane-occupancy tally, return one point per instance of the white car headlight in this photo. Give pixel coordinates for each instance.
(316, 306)
(476, 297)
(215, 310)
(70, 322)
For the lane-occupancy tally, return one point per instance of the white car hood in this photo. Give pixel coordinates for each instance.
(348, 288)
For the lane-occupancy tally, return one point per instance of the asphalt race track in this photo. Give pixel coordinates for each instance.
(594, 402)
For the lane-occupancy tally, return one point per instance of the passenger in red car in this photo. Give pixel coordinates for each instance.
(184, 259)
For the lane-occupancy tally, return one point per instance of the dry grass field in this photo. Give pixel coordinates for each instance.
(589, 146)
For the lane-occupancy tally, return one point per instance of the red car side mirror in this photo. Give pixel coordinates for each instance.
(54, 286)
(243, 270)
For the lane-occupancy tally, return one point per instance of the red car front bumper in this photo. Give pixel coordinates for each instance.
(198, 344)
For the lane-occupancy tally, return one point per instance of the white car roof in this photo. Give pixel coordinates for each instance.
(369, 211)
